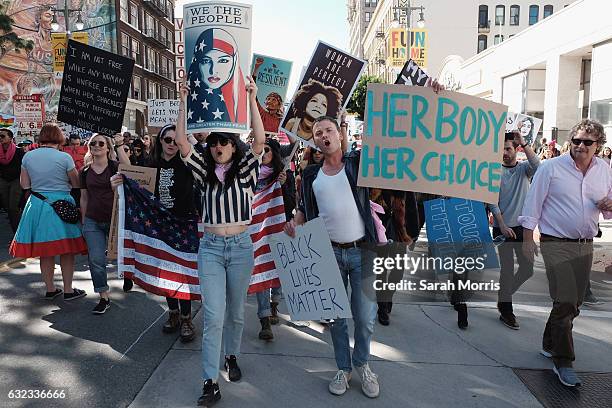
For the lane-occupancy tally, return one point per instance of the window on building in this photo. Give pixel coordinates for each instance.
(136, 51)
(482, 43)
(548, 10)
(534, 14)
(125, 45)
(133, 15)
(136, 88)
(368, 16)
(500, 15)
(123, 14)
(149, 22)
(483, 16)
(498, 39)
(164, 65)
(515, 15)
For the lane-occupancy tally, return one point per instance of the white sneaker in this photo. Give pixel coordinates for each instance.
(369, 381)
(339, 384)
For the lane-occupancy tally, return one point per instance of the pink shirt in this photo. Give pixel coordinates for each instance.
(562, 201)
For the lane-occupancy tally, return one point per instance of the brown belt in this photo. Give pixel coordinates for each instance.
(579, 240)
(346, 245)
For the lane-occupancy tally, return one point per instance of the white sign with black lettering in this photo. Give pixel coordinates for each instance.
(309, 274)
(162, 112)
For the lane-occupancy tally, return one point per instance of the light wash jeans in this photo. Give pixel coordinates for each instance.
(96, 236)
(363, 308)
(224, 265)
(264, 309)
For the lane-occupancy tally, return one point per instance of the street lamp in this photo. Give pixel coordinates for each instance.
(79, 25)
(408, 9)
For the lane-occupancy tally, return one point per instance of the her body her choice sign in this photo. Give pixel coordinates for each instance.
(449, 143)
(309, 274)
(94, 88)
(217, 56)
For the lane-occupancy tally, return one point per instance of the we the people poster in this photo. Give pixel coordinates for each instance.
(325, 88)
(217, 56)
(272, 78)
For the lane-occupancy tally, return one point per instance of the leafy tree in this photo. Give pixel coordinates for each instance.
(9, 39)
(358, 99)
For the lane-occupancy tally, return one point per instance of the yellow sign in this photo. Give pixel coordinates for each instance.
(397, 48)
(418, 46)
(59, 43)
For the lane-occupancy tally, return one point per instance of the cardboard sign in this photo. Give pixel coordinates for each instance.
(412, 74)
(179, 51)
(325, 88)
(162, 112)
(272, 77)
(418, 46)
(528, 127)
(459, 228)
(146, 177)
(29, 111)
(448, 143)
(309, 274)
(59, 44)
(397, 47)
(217, 54)
(94, 89)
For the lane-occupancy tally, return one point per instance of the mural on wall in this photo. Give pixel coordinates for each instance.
(26, 73)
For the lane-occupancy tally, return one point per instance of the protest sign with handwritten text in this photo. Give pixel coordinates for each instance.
(448, 143)
(162, 112)
(94, 88)
(309, 274)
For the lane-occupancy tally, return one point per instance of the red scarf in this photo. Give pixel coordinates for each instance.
(6, 157)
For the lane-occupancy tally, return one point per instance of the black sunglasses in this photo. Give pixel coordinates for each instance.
(169, 140)
(220, 141)
(586, 142)
(100, 143)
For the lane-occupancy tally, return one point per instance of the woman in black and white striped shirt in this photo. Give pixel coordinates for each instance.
(228, 176)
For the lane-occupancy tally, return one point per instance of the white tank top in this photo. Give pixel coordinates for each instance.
(337, 207)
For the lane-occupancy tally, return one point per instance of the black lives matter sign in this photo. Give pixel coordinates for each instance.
(94, 88)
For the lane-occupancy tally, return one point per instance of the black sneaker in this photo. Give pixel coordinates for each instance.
(76, 294)
(231, 366)
(509, 319)
(210, 394)
(127, 284)
(101, 306)
(54, 294)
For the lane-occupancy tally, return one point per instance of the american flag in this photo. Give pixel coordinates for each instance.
(268, 219)
(158, 251)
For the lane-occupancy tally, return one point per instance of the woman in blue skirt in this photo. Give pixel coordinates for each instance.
(41, 232)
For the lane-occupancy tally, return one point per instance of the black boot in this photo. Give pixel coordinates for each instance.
(210, 394)
(462, 315)
(383, 316)
(233, 371)
(266, 329)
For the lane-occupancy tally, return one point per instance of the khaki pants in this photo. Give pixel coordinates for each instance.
(568, 268)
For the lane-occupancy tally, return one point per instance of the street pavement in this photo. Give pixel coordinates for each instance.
(122, 359)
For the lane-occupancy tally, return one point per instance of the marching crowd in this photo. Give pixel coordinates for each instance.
(215, 177)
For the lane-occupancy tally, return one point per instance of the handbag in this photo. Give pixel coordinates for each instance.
(67, 211)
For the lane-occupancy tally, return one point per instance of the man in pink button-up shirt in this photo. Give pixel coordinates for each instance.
(567, 196)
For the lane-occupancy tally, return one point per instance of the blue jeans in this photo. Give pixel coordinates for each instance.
(224, 265)
(264, 309)
(363, 308)
(96, 236)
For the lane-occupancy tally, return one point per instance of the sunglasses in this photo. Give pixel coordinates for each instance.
(169, 140)
(100, 143)
(220, 141)
(586, 142)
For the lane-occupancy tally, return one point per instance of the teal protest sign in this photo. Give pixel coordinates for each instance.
(449, 143)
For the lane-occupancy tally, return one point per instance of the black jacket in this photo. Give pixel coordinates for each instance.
(12, 170)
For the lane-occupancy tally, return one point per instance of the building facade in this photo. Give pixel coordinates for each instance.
(359, 15)
(145, 33)
(562, 80)
(455, 30)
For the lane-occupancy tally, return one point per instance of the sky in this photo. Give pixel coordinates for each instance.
(291, 29)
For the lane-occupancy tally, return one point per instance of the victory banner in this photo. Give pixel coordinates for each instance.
(449, 143)
(326, 86)
(272, 77)
(217, 54)
(179, 51)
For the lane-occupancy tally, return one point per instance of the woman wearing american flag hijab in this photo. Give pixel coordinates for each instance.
(216, 81)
